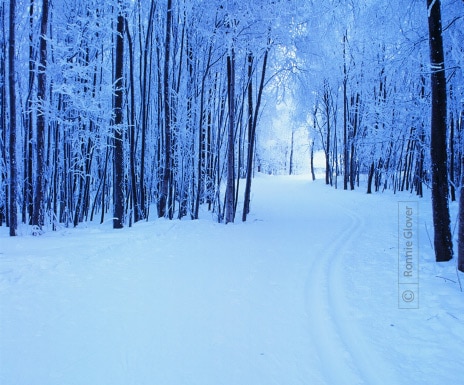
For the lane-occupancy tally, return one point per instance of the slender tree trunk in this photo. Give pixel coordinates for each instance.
(145, 73)
(230, 187)
(451, 161)
(28, 205)
(346, 164)
(461, 212)
(370, 177)
(328, 166)
(355, 124)
(461, 232)
(131, 114)
(118, 185)
(38, 213)
(3, 141)
(249, 171)
(104, 178)
(335, 162)
(438, 149)
(252, 136)
(292, 139)
(12, 137)
(165, 209)
(313, 175)
(4, 206)
(203, 138)
(56, 176)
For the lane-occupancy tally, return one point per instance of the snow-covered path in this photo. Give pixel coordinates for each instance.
(331, 230)
(303, 293)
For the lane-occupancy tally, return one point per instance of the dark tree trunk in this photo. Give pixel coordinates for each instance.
(252, 134)
(290, 167)
(438, 151)
(132, 136)
(230, 187)
(118, 185)
(28, 196)
(461, 232)
(4, 206)
(104, 178)
(451, 161)
(313, 175)
(145, 73)
(249, 168)
(13, 215)
(3, 114)
(461, 213)
(370, 177)
(346, 164)
(165, 209)
(328, 167)
(355, 124)
(38, 213)
(203, 141)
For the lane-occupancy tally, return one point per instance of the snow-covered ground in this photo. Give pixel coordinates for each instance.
(305, 292)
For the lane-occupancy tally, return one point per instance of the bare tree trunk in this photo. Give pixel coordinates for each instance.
(328, 166)
(104, 178)
(461, 232)
(165, 209)
(118, 185)
(230, 187)
(203, 150)
(145, 73)
(12, 137)
(28, 205)
(38, 213)
(252, 134)
(370, 177)
(132, 136)
(249, 171)
(313, 175)
(461, 212)
(438, 149)
(452, 160)
(290, 169)
(346, 164)
(3, 158)
(355, 124)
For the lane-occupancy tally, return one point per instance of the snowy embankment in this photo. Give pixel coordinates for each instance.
(306, 292)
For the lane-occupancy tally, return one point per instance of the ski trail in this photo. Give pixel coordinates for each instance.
(346, 356)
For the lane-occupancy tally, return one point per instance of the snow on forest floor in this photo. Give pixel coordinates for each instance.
(305, 292)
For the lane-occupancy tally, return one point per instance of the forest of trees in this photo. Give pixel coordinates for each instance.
(112, 110)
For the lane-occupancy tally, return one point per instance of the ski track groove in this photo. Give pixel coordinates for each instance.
(324, 296)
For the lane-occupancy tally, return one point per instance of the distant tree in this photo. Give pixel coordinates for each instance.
(438, 147)
(12, 138)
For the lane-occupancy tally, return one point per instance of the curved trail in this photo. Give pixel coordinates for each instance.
(332, 231)
(323, 303)
(337, 341)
